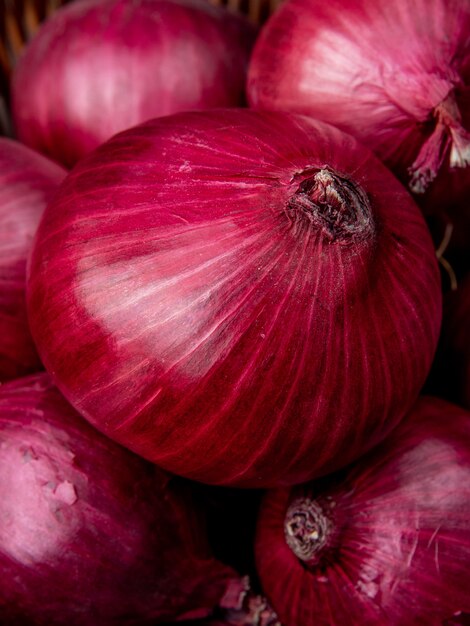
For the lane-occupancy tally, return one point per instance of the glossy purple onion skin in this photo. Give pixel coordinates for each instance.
(379, 70)
(100, 66)
(186, 312)
(27, 182)
(400, 555)
(90, 533)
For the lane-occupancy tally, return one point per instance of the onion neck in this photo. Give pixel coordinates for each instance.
(449, 137)
(334, 205)
(310, 530)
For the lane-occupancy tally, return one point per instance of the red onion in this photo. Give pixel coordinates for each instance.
(243, 298)
(27, 182)
(384, 543)
(89, 533)
(394, 74)
(100, 66)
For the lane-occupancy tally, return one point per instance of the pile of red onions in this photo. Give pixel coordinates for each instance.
(27, 183)
(394, 74)
(100, 66)
(89, 533)
(386, 542)
(242, 298)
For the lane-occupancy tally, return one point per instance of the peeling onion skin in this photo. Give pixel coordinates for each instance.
(90, 533)
(397, 548)
(97, 67)
(396, 75)
(27, 181)
(192, 305)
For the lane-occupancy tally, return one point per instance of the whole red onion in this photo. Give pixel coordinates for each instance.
(384, 543)
(89, 533)
(97, 67)
(243, 298)
(394, 74)
(27, 182)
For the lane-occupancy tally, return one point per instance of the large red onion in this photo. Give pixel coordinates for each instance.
(383, 543)
(27, 181)
(243, 298)
(89, 533)
(99, 66)
(394, 74)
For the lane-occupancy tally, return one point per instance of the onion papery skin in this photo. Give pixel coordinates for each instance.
(396, 75)
(396, 551)
(90, 533)
(27, 182)
(97, 67)
(190, 304)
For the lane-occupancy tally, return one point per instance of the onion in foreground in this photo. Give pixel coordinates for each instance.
(242, 298)
(89, 533)
(384, 543)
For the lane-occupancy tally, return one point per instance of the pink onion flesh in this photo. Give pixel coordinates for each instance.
(27, 182)
(90, 533)
(385, 542)
(97, 67)
(243, 298)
